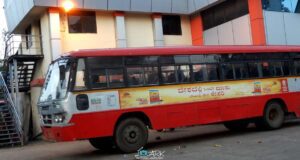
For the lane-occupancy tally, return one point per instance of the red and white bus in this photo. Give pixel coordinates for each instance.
(114, 96)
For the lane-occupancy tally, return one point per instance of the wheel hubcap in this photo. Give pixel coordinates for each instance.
(273, 115)
(131, 134)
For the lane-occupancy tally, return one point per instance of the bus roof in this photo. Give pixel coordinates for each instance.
(181, 50)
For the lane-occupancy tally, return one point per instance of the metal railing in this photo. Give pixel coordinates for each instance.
(19, 44)
(13, 107)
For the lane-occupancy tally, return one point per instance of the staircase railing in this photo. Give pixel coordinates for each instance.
(20, 44)
(13, 107)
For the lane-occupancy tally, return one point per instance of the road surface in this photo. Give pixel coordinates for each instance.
(212, 142)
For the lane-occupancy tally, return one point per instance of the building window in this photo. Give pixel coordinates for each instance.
(171, 25)
(82, 22)
(291, 6)
(224, 12)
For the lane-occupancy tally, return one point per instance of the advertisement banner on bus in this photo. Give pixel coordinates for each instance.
(185, 93)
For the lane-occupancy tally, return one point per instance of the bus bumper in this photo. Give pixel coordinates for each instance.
(59, 134)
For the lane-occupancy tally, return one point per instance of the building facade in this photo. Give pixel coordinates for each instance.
(145, 23)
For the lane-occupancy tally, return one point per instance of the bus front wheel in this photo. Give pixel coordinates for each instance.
(130, 135)
(273, 117)
(103, 143)
(236, 126)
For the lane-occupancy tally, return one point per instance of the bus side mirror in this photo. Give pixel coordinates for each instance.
(82, 102)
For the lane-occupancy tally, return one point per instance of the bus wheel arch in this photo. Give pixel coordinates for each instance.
(277, 100)
(139, 115)
(273, 115)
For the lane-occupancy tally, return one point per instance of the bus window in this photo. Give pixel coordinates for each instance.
(212, 72)
(276, 69)
(183, 73)
(80, 76)
(286, 68)
(200, 73)
(266, 70)
(297, 67)
(115, 77)
(135, 76)
(104, 62)
(99, 79)
(166, 60)
(241, 71)
(205, 58)
(227, 70)
(168, 74)
(182, 59)
(253, 70)
(151, 75)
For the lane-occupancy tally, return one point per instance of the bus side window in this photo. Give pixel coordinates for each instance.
(212, 72)
(99, 78)
(297, 67)
(241, 71)
(151, 75)
(200, 73)
(253, 70)
(276, 69)
(135, 76)
(286, 68)
(115, 77)
(168, 74)
(80, 80)
(227, 70)
(183, 73)
(266, 69)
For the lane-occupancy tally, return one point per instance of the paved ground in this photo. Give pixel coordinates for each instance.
(205, 142)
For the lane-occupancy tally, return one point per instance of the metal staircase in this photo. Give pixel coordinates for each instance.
(22, 53)
(21, 56)
(11, 133)
(23, 70)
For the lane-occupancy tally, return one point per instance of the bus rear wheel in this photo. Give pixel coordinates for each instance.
(237, 126)
(273, 117)
(103, 143)
(130, 135)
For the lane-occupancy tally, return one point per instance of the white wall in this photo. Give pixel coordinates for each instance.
(104, 38)
(41, 70)
(139, 30)
(282, 28)
(235, 32)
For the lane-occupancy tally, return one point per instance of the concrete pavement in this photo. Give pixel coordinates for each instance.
(212, 142)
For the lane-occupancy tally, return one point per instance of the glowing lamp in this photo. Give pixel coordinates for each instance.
(68, 5)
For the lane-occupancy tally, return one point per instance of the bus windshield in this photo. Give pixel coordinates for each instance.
(56, 82)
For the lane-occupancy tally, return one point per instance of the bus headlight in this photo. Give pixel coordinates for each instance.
(59, 118)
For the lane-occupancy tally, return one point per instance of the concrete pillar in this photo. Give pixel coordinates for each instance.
(55, 37)
(158, 30)
(197, 30)
(121, 40)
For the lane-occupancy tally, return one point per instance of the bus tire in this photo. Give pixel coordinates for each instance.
(237, 126)
(103, 143)
(130, 135)
(273, 117)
